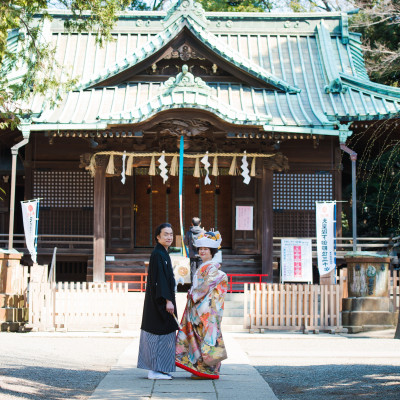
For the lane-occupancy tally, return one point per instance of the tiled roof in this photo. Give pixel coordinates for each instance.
(314, 53)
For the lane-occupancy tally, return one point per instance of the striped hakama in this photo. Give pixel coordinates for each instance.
(157, 352)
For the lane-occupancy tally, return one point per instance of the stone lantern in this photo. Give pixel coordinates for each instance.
(368, 306)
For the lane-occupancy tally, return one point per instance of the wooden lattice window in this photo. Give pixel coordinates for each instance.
(300, 191)
(63, 189)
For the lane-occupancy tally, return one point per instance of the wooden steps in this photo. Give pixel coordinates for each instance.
(135, 263)
(128, 263)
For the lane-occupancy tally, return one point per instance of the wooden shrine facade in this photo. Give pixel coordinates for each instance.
(281, 89)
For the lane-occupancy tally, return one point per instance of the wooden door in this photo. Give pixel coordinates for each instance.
(151, 201)
(158, 202)
(212, 203)
(245, 241)
(120, 215)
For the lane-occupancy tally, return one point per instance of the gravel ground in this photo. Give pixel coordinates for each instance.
(299, 367)
(54, 367)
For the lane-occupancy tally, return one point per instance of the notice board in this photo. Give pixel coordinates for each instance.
(296, 260)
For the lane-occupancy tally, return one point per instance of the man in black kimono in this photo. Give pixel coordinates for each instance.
(157, 337)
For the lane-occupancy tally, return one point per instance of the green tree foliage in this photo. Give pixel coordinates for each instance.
(378, 180)
(210, 5)
(379, 23)
(319, 5)
(237, 6)
(27, 65)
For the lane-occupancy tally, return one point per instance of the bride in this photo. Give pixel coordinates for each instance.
(199, 344)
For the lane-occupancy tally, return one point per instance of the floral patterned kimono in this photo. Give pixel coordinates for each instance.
(199, 344)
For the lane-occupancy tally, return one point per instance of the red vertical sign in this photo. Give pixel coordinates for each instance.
(297, 261)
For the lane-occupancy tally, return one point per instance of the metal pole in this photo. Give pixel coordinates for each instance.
(14, 152)
(354, 200)
(353, 157)
(12, 200)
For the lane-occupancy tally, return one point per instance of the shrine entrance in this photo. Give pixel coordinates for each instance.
(143, 202)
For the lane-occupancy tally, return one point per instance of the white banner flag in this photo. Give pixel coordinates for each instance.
(326, 249)
(29, 215)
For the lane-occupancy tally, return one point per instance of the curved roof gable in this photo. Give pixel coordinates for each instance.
(185, 91)
(188, 14)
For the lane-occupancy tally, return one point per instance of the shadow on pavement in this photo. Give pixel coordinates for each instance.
(38, 383)
(333, 382)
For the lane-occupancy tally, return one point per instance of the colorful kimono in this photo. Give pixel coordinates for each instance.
(199, 344)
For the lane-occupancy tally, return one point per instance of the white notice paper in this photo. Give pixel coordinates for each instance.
(244, 218)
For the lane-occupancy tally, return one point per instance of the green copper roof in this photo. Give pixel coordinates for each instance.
(312, 60)
(332, 73)
(185, 91)
(188, 14)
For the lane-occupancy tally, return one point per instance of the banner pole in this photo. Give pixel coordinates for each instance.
(37, 226)
(181, 155)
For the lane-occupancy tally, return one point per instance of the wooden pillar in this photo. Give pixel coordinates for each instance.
(267, 222)
(99, 224)
(28, 189)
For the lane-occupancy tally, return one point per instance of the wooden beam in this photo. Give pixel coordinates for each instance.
(99, 224)
(267, 222)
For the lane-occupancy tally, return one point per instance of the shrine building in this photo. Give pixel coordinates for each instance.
(278, 92)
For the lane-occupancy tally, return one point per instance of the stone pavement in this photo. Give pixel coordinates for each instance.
(238, 380)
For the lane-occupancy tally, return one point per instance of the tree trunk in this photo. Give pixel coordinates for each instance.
(397, 334)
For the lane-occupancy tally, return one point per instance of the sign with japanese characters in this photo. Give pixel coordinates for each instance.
(244, 218)
(29, 217)
(325, 214)
(296, 260)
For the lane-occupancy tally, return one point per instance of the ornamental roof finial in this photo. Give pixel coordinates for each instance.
(186, 9)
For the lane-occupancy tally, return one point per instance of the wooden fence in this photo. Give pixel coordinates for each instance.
(77, 306)
(292, 307)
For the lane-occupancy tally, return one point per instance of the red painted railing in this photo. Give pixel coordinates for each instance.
(233, 280)
(141, 281)
(249, 278)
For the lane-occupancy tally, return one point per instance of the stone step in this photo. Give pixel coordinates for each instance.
(12, 327)
(12, 300)
(13, 314)
(233, 328)
(231, 320)
(237, 312)
(366, 304)
(361, 318)
(233, 305)
(367, 328)
(126, 263)
(121, 268)
(234, 297)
